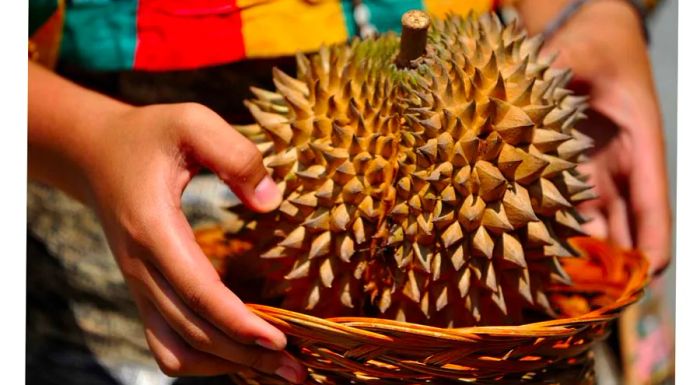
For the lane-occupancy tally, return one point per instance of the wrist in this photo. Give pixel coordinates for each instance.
(66, 123)
(632, 10)
(537, 15)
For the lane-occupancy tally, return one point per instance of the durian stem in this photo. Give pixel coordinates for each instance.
(414, 37)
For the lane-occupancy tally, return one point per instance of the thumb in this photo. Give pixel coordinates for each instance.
(234, 159)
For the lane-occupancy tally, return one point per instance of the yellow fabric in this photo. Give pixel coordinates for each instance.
(271, 27)
(442, 7)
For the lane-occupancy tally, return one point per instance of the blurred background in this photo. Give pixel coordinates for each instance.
(646, 330)
(663, 27)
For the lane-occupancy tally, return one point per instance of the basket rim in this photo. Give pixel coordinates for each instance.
(375, 350)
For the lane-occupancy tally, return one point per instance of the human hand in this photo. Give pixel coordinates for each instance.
(604, 45)
(142, 162)
(132, 165)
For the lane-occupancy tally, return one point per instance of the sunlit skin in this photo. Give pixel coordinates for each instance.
(131, 164)
(604, 46)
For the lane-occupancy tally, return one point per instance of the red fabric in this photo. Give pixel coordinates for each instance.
(185, 34)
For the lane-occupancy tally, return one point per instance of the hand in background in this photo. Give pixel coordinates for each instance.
(131, 165)
(603, 44)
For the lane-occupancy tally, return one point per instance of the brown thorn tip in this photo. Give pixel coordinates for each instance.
(414, 37)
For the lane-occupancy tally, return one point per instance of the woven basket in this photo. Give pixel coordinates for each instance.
(376, 351)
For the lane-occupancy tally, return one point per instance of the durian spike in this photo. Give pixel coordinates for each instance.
(413, 189)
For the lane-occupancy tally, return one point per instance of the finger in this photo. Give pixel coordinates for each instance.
(596, 224)
(612, 206)
(235, 159)
(174, 357)
(648, 183)
(175, 253)
(651, 211)
(619, 224)
(202, 336)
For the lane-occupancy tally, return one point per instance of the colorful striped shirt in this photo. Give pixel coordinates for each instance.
(155, 35)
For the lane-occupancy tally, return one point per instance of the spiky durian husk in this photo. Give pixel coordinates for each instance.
(437, 194)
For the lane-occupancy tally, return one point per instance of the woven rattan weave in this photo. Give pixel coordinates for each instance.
(377, 351)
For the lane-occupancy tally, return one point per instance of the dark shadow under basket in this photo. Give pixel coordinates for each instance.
(377, 351)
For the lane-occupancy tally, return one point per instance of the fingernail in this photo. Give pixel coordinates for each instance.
(267, 344)
(290, 374)
(267, 194)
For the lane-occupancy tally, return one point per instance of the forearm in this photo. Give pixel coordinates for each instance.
(63, 122)
(594, 41)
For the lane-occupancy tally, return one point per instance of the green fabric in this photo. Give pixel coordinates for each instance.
(385, 15)
(100, 34)
(39, 12)
(349, 18)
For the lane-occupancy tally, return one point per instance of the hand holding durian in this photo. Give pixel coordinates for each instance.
(604, 46)
(438, 190)
(131, 164)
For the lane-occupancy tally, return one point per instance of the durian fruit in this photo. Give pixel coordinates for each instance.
(436, 189)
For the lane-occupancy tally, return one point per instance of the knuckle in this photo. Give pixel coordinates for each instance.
(238, 334)
(188, 117)
(252, 360)
(244, 331)
(139, 226)
(140, 238)
(249, 164)
(190, 112)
